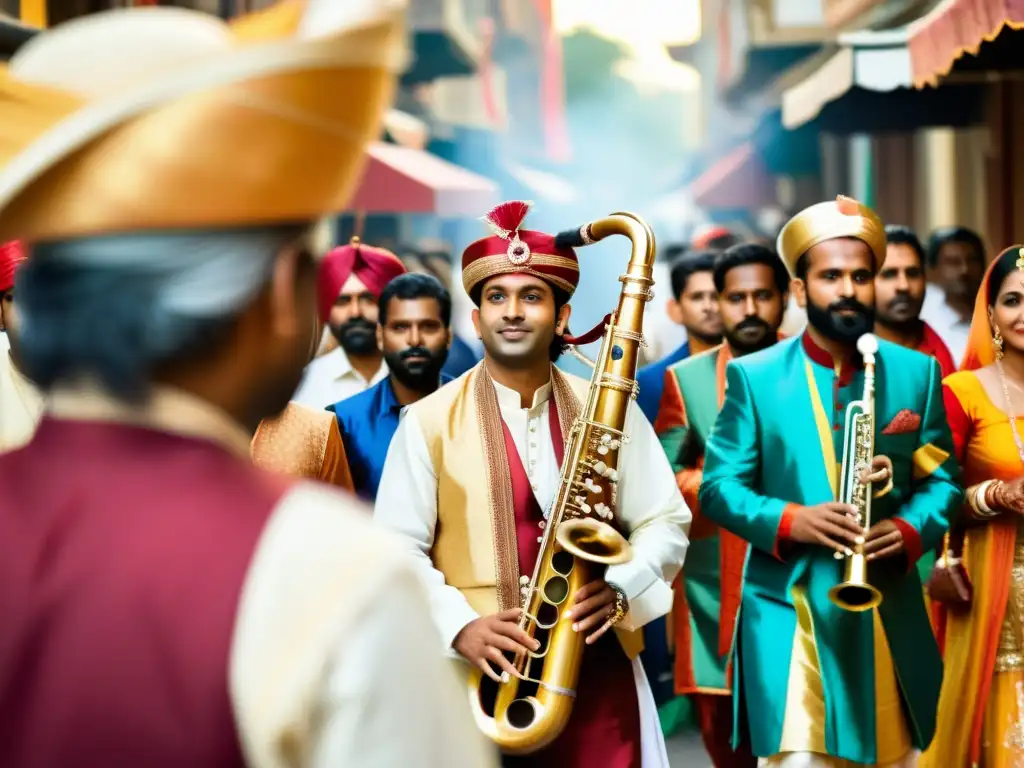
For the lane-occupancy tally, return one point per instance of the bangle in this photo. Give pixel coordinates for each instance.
(979, 502)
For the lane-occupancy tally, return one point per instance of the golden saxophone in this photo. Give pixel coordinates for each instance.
(854, 593)
(524, 715)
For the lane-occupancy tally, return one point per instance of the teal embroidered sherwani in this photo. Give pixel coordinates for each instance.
(810, 677)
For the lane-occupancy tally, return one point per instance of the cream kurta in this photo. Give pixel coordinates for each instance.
(650, 507)
(21, 404)
(334, 659)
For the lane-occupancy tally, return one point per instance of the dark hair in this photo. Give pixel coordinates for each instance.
(750, 253)
(415, 285)
(897, 234)
(945, 235)
(98, 308)
(688, 265)
(1006, 262)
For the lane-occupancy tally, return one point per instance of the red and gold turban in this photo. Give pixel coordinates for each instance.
(375, 268)
(11, 256)
(511, 249)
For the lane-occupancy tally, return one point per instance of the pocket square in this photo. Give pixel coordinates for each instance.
(903, 422)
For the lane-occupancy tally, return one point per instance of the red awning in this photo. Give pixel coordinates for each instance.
(956, 28)
(403, 180)
(738, 181)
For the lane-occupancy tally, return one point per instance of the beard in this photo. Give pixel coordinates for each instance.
(845, 329)
(357, 336)
(744, 339)
(423, 372)
(901, 314)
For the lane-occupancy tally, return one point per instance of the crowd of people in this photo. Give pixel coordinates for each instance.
(260, 506)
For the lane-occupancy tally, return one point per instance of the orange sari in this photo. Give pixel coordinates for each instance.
(981, 708)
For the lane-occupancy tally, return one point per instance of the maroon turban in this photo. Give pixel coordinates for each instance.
(11, 256)
(375, 268)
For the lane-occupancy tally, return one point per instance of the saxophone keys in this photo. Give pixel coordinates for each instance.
(603, 450)
(524, 580)
(837, 555)
(859, 540)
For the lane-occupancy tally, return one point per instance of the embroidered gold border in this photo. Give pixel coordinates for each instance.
(499, 484)
(490, 266)
(566, 401)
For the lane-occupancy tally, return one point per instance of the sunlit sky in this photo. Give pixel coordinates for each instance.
(645, 26)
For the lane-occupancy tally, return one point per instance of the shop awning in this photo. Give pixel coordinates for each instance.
(956, 28)
(867, 86)
(875, 61)
(402, 180)
(405, 129)
(737, 181)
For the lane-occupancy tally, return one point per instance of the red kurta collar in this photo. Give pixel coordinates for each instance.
(843, 372)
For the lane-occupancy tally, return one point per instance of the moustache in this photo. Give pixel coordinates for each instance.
(848, 305)
(411, 352)
(752, 322)
(358, 325)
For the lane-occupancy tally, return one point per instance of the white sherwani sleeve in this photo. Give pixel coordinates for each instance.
(656, 520)
(335, 659)
(407, 503)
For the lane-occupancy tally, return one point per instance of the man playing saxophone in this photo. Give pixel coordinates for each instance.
(817, 685)
(471, 474)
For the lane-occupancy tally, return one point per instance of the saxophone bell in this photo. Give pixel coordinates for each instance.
(594, 541)
(854, 593)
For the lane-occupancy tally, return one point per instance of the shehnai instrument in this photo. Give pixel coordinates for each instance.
(524, 715)
(854, 593)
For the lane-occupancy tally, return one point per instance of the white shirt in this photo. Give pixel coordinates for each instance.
(945, 321)
(331, 378)
(650, 507)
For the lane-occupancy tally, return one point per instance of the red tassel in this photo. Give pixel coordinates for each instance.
(508, 217)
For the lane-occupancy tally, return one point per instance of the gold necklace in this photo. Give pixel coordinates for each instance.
(1009, 410)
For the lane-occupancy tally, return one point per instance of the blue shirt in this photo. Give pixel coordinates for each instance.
(461, 358)
(651, 379)
(367, 422)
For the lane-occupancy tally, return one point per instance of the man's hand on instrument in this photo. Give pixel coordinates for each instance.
(483, 642)
(879, 473)
(832, 524)
(597, 604)
(884, 539)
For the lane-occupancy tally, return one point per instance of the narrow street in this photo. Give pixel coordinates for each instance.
(686, 751)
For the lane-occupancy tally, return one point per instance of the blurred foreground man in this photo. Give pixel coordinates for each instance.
(471, 476)
(899, 295)
(817, 685)
(165, 603)
(753, 286)
(349, 283)
(21, 403)
(414, 332)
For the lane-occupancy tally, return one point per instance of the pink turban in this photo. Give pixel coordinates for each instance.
(11, 256)
(375, 268)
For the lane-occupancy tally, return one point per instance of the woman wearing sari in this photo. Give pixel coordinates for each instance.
(981, 708)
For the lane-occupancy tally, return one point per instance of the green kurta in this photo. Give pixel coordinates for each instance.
(772, 444)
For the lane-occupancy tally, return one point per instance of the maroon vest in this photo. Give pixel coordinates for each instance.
(123, 551)
(604, 729)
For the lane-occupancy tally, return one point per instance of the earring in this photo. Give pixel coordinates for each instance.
(997, 342)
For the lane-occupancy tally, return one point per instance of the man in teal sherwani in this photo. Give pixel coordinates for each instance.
(815, 685)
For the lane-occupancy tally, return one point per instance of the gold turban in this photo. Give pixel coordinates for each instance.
(842, 217)
(183, 121)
